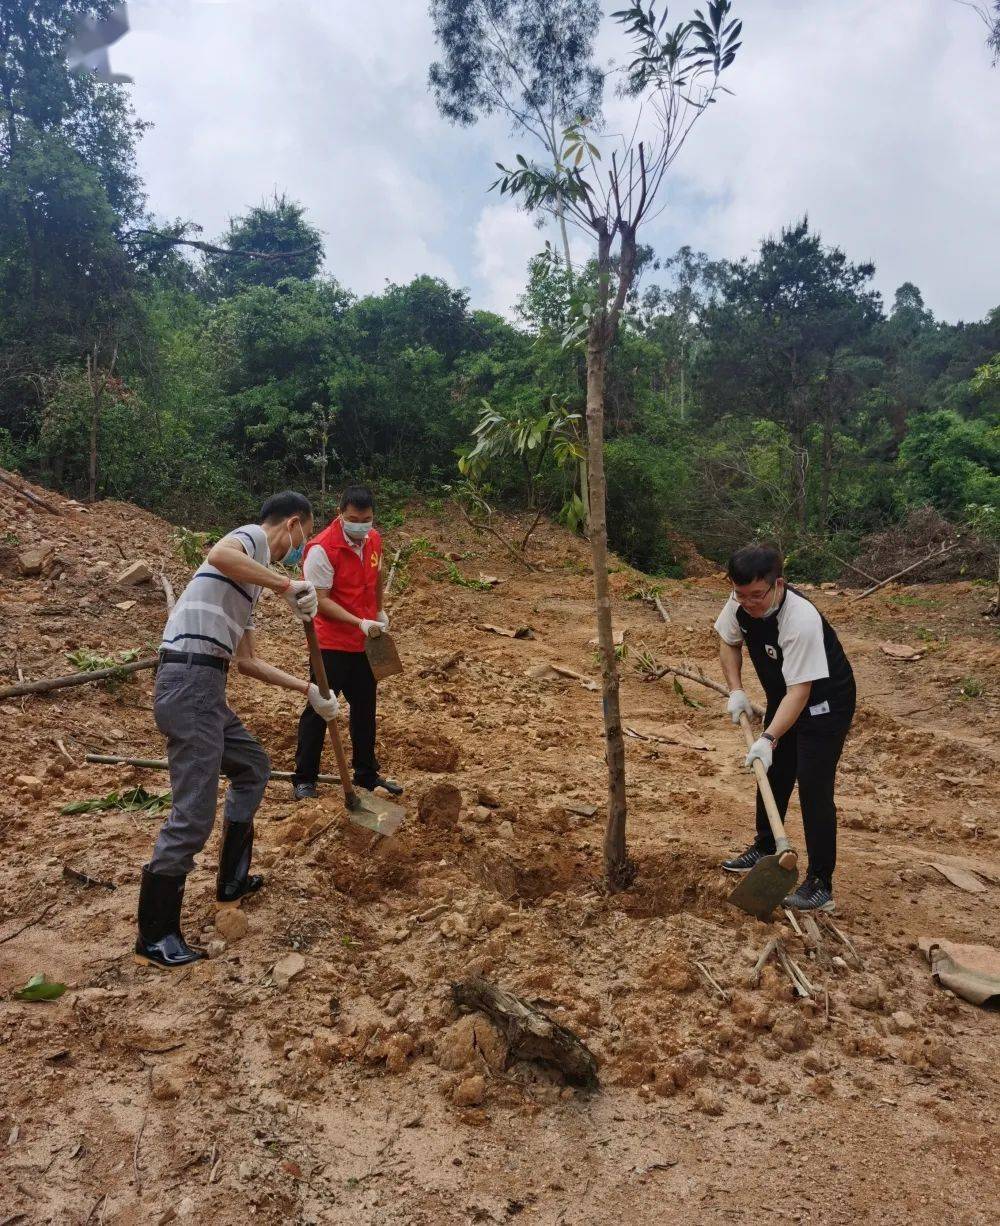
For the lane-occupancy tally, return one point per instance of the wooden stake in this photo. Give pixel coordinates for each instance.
(160, 764)
(392, 574)
(799, 981)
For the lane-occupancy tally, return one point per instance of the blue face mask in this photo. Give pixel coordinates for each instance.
(294, 556)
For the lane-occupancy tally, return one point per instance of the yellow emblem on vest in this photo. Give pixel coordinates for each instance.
(375, 560)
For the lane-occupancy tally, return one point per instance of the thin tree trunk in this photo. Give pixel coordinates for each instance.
(618, 869)
(95, 413)
(616, 866)
(826, 473)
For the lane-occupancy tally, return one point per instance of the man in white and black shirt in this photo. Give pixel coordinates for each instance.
(210, 628)
(811, 698)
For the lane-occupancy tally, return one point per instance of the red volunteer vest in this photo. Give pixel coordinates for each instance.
(355, 585)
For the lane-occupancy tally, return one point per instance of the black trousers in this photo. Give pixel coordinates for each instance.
(810, 758)
(349, 675)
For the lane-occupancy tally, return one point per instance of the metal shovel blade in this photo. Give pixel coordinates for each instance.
(764, 887)
(383, 656)
(366, 809)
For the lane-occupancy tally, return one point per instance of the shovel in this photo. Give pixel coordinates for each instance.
(364, 808)
(772, 877)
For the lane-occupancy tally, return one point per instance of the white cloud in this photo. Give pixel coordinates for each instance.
(878, 119)
(505, 241)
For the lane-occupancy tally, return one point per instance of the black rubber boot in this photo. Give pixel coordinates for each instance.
(234, 880)
(305, 791)
(160, 940)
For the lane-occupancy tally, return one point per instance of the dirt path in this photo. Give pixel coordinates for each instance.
(217, 1094)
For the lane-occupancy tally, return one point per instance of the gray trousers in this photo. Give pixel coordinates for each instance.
(204, 739)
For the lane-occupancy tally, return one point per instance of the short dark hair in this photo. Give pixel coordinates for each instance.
(284, 506)
(754, 562)
(359, 496)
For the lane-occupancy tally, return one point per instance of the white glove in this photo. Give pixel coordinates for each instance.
(301, 598)
(762, 750)
(370, 629)
(738, 702)
(383, 620)
(325, 708)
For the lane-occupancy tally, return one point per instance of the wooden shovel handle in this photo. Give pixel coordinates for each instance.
(786, 854)
(319, 672)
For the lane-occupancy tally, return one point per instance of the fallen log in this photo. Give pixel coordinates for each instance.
(531, 1034)
(28, 496)
(85, 678)
(160, 764)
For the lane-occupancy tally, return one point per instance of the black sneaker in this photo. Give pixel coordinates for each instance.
(812, 895)
(745, 862)
(387, 785)
(305, 791)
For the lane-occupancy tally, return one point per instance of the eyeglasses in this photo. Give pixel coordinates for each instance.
(756, 597)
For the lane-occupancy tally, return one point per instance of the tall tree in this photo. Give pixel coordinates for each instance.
(274, 228)
(68, 183)
(778, 330)
(675, 78)
(530, 60)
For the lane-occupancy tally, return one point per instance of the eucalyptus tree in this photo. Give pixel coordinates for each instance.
(673, 79)
(530, 60)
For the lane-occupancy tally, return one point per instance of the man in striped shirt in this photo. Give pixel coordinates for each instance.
(210, 627)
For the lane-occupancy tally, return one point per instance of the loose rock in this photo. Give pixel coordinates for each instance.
(285, 971)
(470, 1092)
(138, 572)
(440, 805)
(231, 924)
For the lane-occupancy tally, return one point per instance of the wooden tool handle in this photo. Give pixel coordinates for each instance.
(787, 857)
(319, 672)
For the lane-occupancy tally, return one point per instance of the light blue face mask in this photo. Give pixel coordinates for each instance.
(357, 532)
(294, 556)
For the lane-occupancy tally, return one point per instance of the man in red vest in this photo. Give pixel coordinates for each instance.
(344, 564)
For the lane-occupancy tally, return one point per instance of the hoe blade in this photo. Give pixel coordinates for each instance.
(383, 656)
(764, 887)
(366, 809)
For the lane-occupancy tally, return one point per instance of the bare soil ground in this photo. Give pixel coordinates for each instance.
(348, 1094)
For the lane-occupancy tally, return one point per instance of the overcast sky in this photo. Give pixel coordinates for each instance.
(877, 117)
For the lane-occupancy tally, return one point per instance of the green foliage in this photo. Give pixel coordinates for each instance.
(135, 800)
(475, 585)
(86, 661)
(646, 487)
(951, 462)
(191, 546)
(273, 227)
(40, 988)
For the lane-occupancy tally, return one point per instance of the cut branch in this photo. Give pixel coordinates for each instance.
(62, 683)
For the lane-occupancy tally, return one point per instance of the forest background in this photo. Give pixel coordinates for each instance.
(777, 395)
